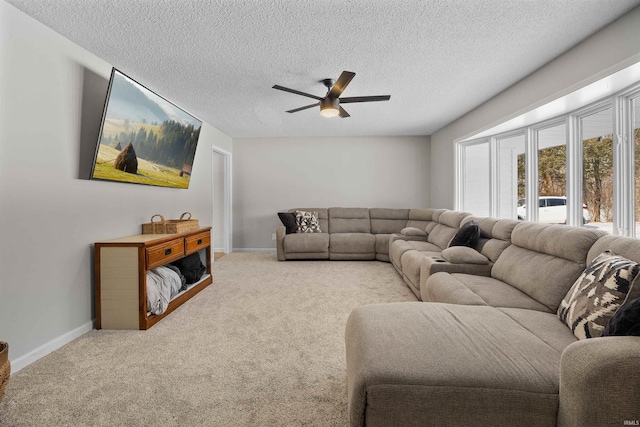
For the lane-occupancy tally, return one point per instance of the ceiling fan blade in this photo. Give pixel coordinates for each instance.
(341, 84)
(343, 113)
(303, 108)
(365, 99)
(297, 92)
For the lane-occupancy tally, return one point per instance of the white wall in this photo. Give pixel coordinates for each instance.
(272, 175)
(611, 49)
(51, 98)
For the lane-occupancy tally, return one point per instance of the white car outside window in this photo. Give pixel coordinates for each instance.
(551, 210)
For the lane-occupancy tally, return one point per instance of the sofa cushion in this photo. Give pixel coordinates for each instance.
(382, 245)
(626, 321)
(470, 289)
(440, 235)
(425, 364)
(467, 235)
(349, 220)
(419, 218)
(463, 255)
(411, 261)
(399, 247)
(306, 243)
(451, 218)
(596, 295)
(396, 250)
(544, 260)
(388, 221)
(307, 222)
(352, 243)
(413, 231)
(288, 219)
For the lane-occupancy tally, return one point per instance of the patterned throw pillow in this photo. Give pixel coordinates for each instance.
(599, 291)
(307, 222)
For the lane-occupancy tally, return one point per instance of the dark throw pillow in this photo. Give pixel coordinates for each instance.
(626, 321)
(289, 221)
(191, 267)
(468, 235)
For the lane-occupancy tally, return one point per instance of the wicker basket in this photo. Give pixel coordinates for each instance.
(170, 226)
(5, 368)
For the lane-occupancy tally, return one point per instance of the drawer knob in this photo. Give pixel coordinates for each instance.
(167, 251)
(199, 241)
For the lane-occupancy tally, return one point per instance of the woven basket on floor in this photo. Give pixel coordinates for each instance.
(5, 368)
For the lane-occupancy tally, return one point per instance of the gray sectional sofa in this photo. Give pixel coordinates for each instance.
(486, 346)
(416, 260)
(349, 233)
(490, 349)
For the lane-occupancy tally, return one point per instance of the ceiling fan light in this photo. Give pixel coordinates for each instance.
(329, 107)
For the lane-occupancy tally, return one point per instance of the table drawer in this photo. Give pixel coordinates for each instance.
(197, 242)
(165, 253)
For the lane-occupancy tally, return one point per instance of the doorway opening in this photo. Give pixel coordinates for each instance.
(221, 228)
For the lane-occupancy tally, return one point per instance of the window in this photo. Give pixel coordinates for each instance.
(476, 191)
(552, 168)
(635, 137)
(582, 167)
(511, 175)
(556, 202)
(597, 168)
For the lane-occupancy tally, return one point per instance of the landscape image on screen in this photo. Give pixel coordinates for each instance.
(144, 139)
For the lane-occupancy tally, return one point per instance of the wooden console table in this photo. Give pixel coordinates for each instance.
(121, 275)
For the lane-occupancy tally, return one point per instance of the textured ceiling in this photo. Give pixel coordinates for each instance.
(218, 59)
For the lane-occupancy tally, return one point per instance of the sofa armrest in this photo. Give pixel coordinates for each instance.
(430, 265)
(399, 236)
(600, 382)
(281, 231)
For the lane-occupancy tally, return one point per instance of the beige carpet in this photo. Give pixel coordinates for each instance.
(262, 346)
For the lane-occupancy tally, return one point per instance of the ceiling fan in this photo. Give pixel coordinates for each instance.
(330, 104)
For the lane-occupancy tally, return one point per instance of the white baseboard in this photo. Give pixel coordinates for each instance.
(49, 347)
(254, 249)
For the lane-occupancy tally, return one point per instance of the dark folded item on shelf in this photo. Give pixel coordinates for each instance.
(191, 268)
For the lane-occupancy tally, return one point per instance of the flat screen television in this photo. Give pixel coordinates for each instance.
(144, 139)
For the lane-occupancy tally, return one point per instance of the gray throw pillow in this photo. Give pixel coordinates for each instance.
(463, 255)
(413, 231)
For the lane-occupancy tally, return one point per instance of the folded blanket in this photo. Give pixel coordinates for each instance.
(158, 293)
(171, 277)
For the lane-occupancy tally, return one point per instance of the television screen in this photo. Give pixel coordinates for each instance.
(144, 139)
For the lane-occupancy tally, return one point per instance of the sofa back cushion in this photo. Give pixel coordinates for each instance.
(323, 217)
(495, 235)
(544, 261)
(349, 220)
(445, 227)
(420, 218)
(388, 221)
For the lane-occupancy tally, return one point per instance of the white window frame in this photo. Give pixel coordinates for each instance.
(531, 163)
(460, 163)
(624, 105)
(494, 153)
(623, 162)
